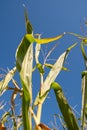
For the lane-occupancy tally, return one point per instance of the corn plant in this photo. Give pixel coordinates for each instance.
(26, 65)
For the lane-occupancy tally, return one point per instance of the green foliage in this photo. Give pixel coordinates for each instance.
(24, 60)
(24, 65)
(31, 39)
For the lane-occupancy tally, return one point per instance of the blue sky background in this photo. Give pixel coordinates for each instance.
(50, 18)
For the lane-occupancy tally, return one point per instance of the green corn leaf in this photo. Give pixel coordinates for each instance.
(6, 80)
(84, 99)
(24, 61)
(52, 75)
(65, 108)
(21, 53)
(23, 64)
(30, 38)
(29, 28)
(24, 57)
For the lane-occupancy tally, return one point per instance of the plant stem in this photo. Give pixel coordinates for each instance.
(39, 110)
(34, 116)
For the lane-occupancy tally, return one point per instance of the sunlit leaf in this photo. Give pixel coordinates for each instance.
(57, 67)
(24, 59)
(52, 75)
(30, 38)
(6, 80)
(21, 53)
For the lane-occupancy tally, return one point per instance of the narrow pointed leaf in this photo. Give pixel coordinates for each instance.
(84, 39)
(76, 35)
(65, 108)
(6, 80)
(29, 28)
(57, 67)
(55, 70)
(53, 73)
(30, 38)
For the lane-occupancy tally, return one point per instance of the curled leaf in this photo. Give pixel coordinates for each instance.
(31, 39)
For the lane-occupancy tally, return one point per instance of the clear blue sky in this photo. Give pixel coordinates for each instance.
(50, 18)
